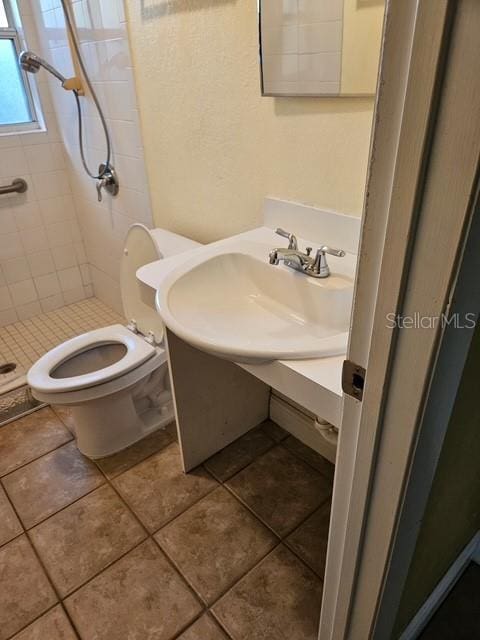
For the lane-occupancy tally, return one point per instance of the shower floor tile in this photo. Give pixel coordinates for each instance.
(24, 342)
(130, 546)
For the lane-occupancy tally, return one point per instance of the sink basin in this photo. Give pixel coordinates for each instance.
(241, 308)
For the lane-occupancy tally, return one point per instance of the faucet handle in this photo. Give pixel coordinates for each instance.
(100, 185)
(340, 253)
(292, 240)
(320, 266)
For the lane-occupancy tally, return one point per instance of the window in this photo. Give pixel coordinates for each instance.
(17, 105)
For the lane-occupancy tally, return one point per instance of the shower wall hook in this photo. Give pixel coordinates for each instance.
(74, 84)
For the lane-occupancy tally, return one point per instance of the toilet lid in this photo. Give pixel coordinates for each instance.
(138, 299)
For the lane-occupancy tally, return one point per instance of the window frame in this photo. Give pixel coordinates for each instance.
(15, 33)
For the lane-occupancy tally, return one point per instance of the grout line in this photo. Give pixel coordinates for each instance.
(177, 515)
(34, 620)
(206, 609)
(57, 593)
(45, 572)
(22, 466)
(55, 512)
(98, 573)
(243, 467)
(299, 457)
(282, 539)
(150, 455)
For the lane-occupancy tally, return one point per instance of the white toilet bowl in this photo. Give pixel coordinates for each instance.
(115, 379)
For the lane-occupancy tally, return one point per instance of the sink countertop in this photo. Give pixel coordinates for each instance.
(313, 383)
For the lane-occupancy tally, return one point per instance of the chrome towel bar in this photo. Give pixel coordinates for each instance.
(19, 185)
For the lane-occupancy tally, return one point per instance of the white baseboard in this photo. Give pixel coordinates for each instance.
(443, 588)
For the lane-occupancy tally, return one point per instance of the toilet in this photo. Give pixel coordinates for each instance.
(115, 379)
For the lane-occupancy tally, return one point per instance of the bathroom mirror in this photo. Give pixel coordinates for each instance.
(320, 47)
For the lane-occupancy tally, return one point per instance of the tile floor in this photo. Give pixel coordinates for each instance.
(130, 547)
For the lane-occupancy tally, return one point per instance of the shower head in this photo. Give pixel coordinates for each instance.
(31, 63)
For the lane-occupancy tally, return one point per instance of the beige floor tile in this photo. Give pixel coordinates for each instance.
(10, 526)
(84, 538)
(65, 415)
(50, 483)
(215, 542)
(205, 628)
(310, 456)
(239, 454)
(278, 600)
(274, 431)
(140, 596)
(25, 592)
(30, 437)
(158, 490)
(53, 625)
(310, 540)
(281, 489)
(118, 463)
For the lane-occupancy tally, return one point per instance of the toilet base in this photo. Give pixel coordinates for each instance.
(104, 426)
(89, 422)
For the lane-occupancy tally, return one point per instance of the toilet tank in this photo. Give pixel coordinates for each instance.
(142, 246)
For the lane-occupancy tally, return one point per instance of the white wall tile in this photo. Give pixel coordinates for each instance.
(41, 263)
(281, 68)
(10, 246)
(70, 278)
(280, 40)
(310, 11)
(8, 317)
(47, 285)
(59, 234)
(49, 227)
(12, 162)
(120, 100)
(74, 295)
(26, 215)
(57, 209)
(26, 311)
(320, 37)
(280, 12)
(41, 158)
(64, 256)
(51, 184)
(16, 270)
(23, 292)
(321, 67)
(52, 303)
(86, 275)
(5, 299)
(7, 221)
(34, 240)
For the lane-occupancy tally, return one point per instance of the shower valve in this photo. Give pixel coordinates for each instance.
(108, 181)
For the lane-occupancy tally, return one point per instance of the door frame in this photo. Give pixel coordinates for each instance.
(416, 213)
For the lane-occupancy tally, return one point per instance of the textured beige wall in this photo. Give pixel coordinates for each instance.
(214, 147)
(362, 40)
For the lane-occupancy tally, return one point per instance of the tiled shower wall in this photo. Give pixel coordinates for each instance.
(43, 263)
(102, 31)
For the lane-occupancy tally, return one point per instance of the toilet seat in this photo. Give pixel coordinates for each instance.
(138, 351)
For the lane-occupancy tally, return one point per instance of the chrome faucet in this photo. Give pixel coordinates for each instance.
(316, 267)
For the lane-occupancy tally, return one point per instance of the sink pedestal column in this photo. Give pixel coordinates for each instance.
(215, 401)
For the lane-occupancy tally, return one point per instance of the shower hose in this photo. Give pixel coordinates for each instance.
(106, 164)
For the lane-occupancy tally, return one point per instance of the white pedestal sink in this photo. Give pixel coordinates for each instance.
(237, 306)
(286, 329)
